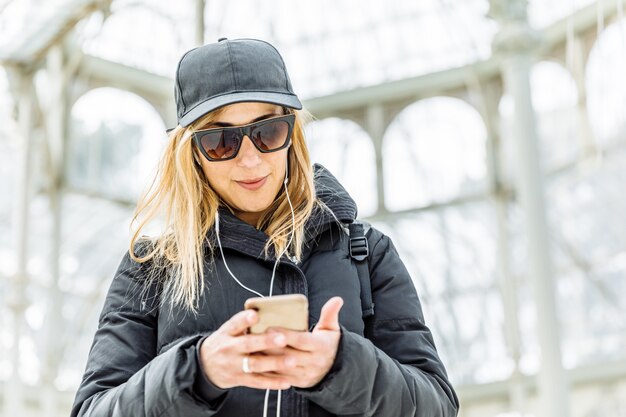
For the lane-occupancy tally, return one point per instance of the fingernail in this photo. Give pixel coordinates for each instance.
(250, 317)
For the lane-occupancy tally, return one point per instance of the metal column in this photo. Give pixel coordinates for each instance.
(376, 125)
(552, 380)
(199, 22)
(56, 129)
(507, 282)
(514, 43)
(17, 301)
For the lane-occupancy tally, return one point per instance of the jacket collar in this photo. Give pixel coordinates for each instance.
(332, 193)
(243, 237)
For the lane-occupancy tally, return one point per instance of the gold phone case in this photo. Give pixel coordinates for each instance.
(290, 311)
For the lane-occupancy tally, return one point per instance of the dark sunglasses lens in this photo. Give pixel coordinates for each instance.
(271, 136)
(221, 144)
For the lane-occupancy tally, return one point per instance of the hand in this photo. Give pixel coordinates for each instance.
(222, 353)
(311, 354)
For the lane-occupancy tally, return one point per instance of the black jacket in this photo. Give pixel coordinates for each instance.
(144, 362)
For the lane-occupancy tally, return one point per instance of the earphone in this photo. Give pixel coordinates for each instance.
(219, 243)
(286, 172)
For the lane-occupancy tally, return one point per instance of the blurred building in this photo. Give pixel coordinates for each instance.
(486, 137)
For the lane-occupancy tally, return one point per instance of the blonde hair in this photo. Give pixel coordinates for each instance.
(181, 195)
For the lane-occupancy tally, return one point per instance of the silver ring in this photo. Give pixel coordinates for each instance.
(245, 367)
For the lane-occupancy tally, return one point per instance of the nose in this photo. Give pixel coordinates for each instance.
(249, 155)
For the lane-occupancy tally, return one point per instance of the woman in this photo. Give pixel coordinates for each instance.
(245, 215)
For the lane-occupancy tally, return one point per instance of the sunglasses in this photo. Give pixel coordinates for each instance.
(223, 143)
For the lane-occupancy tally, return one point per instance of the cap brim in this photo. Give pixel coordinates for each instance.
(287, 100)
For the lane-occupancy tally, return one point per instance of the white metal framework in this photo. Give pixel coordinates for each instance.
(523, 304)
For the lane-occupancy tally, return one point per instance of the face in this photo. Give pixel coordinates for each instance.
(249, 182)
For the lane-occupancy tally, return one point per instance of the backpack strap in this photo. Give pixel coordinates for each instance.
(359, 251)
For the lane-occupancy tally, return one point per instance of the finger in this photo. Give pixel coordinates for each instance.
(258, 343)
(274, 351)
(265, 381)
(238, 323)
(329, 316)
(277, 364)
(305, 359)
(304, 341)
(300, 358)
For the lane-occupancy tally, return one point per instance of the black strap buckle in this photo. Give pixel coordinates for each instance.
(359, 248)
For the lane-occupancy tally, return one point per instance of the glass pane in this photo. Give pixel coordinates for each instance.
(115, 143)
(359, 43)
(543, 13)
(561, 125)
(148, 35)
(450, 254)
(434, 151)
(606, 85)
(587, 211)
(347, 151)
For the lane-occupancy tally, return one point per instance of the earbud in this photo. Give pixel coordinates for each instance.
(287, 171)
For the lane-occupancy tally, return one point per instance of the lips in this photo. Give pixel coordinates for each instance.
(252, 183)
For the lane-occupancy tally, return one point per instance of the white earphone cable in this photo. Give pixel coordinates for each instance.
(266, 402)
(219, 243)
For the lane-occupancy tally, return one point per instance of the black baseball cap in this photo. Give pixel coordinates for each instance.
(227, 72)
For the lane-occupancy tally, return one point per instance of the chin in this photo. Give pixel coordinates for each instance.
(253, 207)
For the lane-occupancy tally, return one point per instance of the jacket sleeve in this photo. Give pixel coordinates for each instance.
(124, 375)
(395, 371)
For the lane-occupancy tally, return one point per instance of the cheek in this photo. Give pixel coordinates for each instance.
(279, 162)
(215, 174)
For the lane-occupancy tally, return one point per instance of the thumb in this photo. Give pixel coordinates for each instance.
(329, 317)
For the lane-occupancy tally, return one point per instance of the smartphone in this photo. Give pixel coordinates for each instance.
(290, 311)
